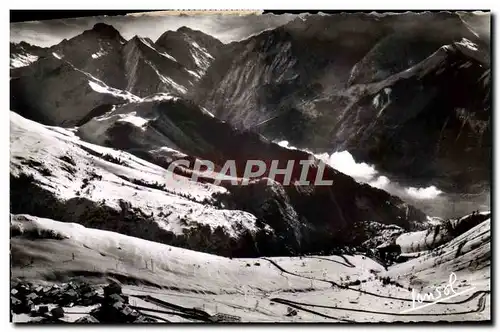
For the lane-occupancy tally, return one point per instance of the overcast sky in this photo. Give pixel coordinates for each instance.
(226, 28)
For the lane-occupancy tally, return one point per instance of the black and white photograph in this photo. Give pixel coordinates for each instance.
(241, 167)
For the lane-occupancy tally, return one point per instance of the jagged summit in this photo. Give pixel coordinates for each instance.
(22, 43)
(187, 34)
(140, 39)
(186, 29)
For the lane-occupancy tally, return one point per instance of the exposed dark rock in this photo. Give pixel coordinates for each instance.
(112, 288)
(57, 312)
(291, 312)
(43, 309)
(114, 310)
(16, 305)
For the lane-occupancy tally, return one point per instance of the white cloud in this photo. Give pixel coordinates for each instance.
(382, 182)
(344, 162)
(423, 193)
(286, 144)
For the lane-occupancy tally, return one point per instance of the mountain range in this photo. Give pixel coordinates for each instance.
(393, 109)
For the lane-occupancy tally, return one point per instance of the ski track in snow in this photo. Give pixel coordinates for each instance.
(261, 289)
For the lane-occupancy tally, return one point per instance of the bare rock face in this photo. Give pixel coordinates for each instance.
(54, 91)
(96, 51)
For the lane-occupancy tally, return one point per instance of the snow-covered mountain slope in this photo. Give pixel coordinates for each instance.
(149, 70)
(50, 81)
(439, 234)
(165, 128)
(118, 255)
(53, 91)
(55, 174)
(23, 54)
(342, 288)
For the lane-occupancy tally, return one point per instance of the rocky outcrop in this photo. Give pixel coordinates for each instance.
(113, 307)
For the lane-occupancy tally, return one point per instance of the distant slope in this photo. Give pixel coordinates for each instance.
(468, 255)
(45, 82)
(430, 122)
(339, 288)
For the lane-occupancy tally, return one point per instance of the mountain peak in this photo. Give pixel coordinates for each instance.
(105, 30)
(135, 39)
(185, 29)
(186, 35)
